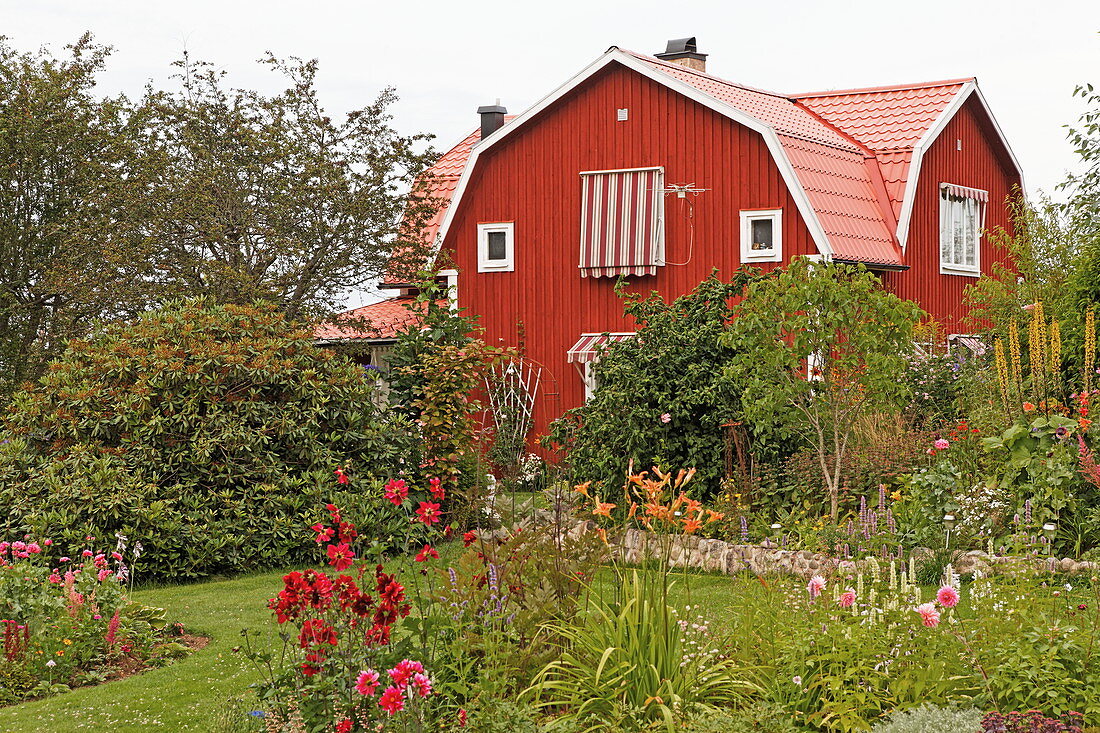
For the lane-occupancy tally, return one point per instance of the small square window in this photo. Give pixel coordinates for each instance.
(762, 236)
(496, 247)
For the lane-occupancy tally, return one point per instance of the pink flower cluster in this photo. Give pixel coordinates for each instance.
(408, 680)
(947, 597)
(19, 550)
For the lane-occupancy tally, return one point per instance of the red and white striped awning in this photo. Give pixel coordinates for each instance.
(964, 192)
(621, 213)
(588, 346)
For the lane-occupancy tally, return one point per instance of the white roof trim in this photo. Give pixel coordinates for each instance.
(615, 55)
(908, 199)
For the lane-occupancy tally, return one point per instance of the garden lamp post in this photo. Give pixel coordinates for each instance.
(1048, 531)
(776, 527)
(948, 524)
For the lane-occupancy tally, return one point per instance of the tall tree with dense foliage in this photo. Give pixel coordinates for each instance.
(818, 345)
(240, 196)
(61, 153)
(662, 397)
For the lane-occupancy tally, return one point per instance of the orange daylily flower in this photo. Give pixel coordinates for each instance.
(713, 516)
(602, 533)
(603, 509)
(691, 525)
(582, 489)
(691, 506)
(633, 510)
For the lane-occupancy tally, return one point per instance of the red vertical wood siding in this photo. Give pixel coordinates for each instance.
(532, 178)
(982, 163)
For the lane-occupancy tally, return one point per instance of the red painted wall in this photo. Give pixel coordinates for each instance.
(532, 179)
(982, 163)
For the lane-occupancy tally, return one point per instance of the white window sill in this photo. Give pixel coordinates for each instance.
(964, 272)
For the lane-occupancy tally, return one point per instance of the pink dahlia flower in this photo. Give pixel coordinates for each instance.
(929, 616)
(947, 597)
(392, 700)
(847, 598)
(815, 586)
(942, 444)
(367, 683)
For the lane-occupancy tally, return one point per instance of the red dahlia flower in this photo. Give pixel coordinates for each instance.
(429, 513)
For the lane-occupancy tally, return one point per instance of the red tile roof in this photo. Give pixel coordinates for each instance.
(839, 144)
(383, 320)
(890, 121)
(444, 175)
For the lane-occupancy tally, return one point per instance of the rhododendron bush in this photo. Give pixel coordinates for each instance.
(207, 431)
(67, 621)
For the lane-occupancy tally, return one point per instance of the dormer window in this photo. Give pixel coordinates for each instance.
(496, 247)
(962, 216)
(762, 235)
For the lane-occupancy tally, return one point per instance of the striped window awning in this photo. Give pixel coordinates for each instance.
(622, 214)
(588, 346)
(963, 192)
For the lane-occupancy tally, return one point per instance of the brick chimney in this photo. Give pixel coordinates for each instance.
(683, 51)
(492, 118)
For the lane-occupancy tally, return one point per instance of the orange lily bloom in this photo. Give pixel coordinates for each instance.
(713, 516)
(633, 510)
(603, 509)
(582, 489)
(692, 525)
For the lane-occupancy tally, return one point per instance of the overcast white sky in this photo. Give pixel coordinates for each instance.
(447, 58)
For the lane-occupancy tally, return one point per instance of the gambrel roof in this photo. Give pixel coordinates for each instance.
(851, 158)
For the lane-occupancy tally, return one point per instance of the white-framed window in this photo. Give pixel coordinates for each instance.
(451, 279)
(762, 235)
(496, 247)
(962, 216)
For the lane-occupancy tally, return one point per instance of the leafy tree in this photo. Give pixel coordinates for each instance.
(61, 153)
(816, 347)
(207, 432)
(663, 396)
(241, 196)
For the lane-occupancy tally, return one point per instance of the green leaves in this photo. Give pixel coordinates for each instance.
(206, 441)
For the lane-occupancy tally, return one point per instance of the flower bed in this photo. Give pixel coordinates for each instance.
(68, 621)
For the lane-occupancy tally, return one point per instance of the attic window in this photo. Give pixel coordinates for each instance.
(962, 216)
(496, 247)
(762, 236)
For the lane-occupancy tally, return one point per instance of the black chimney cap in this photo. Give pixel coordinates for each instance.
(490, 109)
(680, 45)
(682, 48)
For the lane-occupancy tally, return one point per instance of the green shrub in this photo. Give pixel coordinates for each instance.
(932, 719)
(673, 368)
(208, 433)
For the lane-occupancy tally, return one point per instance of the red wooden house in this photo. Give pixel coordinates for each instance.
(651, 168)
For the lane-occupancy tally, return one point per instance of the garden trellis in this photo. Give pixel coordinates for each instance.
(512, 387)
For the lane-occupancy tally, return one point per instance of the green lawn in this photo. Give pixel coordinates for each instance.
(184, 696)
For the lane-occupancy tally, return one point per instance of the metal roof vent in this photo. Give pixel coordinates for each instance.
(492, 118)
(685, 52)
